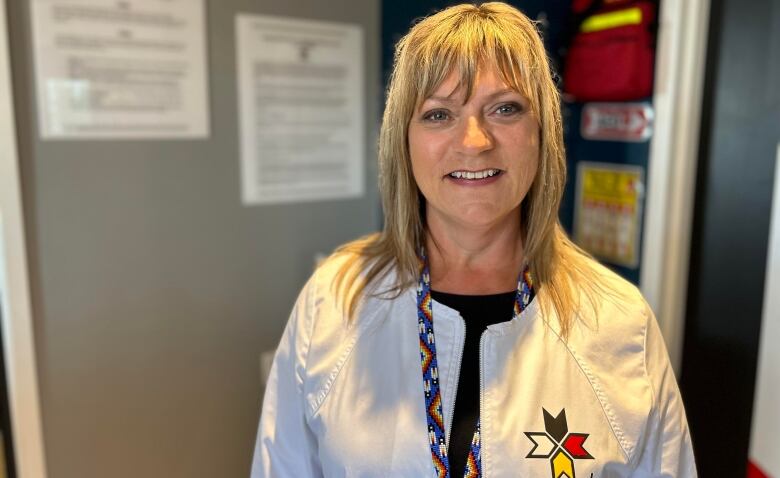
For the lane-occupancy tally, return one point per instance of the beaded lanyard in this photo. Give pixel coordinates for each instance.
(430, 373)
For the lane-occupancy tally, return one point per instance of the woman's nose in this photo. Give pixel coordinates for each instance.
(476, 138)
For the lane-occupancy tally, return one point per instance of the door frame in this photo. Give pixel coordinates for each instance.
(17, 321)
(674, 152)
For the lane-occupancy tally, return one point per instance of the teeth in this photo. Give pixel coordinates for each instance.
(486, 173)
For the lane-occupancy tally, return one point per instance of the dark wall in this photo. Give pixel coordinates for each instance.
(398, 16)
(740, 131)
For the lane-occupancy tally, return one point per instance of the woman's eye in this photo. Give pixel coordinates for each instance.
(508, 109)
(436, 115)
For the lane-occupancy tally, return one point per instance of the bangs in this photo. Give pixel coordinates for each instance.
(462, 43)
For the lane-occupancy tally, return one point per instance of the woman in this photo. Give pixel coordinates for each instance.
(541, 362)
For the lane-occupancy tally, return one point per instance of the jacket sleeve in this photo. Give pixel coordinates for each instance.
(666, 449)
(286, 446)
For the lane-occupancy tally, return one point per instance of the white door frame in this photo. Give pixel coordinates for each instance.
(18, 339)
(679, 80)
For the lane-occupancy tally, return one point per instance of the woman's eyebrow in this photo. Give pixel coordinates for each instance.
(502, 92)
(491, 96)
(440, 99)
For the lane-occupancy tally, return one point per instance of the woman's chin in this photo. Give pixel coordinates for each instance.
(481, 216)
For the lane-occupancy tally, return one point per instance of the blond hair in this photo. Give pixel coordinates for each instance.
(458, 39)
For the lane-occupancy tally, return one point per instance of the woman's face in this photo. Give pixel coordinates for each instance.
(474, 162)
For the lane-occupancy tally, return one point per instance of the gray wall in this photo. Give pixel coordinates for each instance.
(154, 289)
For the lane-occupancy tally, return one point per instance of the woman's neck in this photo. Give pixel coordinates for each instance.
(473, 260)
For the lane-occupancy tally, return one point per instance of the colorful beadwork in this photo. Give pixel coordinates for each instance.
(430, 373)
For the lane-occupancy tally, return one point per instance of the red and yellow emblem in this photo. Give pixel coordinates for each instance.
(558, 445)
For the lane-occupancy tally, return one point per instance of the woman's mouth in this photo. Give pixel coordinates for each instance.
(475, 175)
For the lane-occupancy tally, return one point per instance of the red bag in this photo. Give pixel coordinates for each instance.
(612, 53)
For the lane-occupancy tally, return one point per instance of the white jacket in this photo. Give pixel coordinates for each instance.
(346, 400)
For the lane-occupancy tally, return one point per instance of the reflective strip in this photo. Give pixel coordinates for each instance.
(619, 18)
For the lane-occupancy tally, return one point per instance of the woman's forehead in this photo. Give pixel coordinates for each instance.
(458, 85)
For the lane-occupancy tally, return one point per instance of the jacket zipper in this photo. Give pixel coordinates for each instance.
(481, 385)
(481, 397)
(457, 381)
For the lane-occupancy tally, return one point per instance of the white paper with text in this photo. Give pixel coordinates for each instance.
(301, 105)
(120, 69)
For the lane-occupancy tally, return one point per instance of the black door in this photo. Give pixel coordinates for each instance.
(740, 133)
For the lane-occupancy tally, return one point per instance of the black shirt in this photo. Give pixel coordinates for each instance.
(478, 311)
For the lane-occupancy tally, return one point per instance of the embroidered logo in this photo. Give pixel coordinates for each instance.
(557, 444)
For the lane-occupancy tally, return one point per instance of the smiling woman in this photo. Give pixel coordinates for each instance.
(474, 160)
(557, 364)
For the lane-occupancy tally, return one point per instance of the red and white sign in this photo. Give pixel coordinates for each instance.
(765, 433)
(632, 122)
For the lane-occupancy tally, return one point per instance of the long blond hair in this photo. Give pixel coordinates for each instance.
(458, 39)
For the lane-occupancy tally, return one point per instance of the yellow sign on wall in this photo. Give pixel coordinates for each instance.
(608, 211)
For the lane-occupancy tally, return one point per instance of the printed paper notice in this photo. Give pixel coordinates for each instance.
(120, 69)
(301, 103)
(608, 211)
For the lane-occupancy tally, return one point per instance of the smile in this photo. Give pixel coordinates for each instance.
(485, 173)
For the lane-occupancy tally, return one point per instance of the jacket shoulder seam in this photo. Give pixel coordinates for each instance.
(606, 408)
(310, 294)
(316, 402)
(323, 391)
(648, 317)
